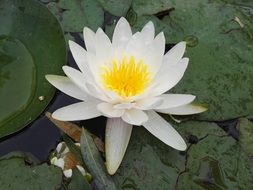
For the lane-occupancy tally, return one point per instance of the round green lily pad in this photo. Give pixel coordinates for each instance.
(31, 46)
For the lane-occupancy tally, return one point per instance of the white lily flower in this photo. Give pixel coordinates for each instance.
(125, 80)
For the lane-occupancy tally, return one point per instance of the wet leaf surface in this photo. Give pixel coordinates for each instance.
(245, 128)
(213, 160)
(116, 7)
(216, 163)
(76, 14)
(78, 181)
(15, 174)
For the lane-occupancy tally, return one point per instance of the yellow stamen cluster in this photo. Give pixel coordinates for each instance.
(127, 77)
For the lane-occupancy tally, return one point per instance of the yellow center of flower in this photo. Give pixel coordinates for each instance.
(126, 77)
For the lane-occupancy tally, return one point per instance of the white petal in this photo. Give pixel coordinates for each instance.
(175, 54)
(122, 34)
(108, 110)
(103, 47)
(65, 85)
(79, 54)
(59, 147)
(125, 105)
(89, 40)
(77, 111)
(135, 47)
(82, 82)
(164, 131)
(148, 103)
(167, 79)
(53, 160)
(154, 53)
(59, 162)
(117, 136)
(148, 33)
(184, 110)
(81, 169)
(175, 100)
(67, 173)
(76, 76)
(96, 92)
(135, 117)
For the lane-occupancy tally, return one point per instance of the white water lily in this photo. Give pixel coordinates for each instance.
(125, 80)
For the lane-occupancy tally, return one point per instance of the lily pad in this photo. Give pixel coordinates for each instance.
(116, 7)
(219, 36)
(15, 174)
(31, 46)
(216, 163)
(245, 128)
(213, 160)
(76, 14)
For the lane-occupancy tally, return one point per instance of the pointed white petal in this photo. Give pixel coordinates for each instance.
(83, 82)
(148, 103)
(76, 76)
(154, 53)
(188, 109)
(164, 131)
(148, 33)
(175, 100)
(167, 79)
(67, 173)
(175, 54)
(77, 111)
(135, 47)
(122, 34)
(117, 136)
(108, 110)
(80, 57)
(135, 117)
(89, 40)
(103, 47)
(65, 85)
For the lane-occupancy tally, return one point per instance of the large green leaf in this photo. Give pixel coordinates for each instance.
(245, 128)
(216, 163)
(76, 14)
(15, 174)
(220, 46)
(31, 46)
(211, 155)
(116, 7)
